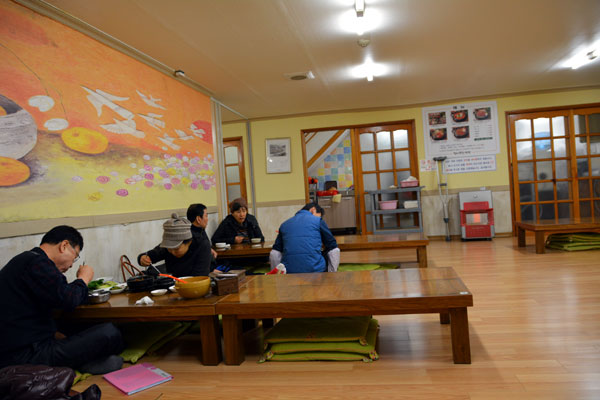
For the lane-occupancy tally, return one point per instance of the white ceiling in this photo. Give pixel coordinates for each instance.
(436, 50)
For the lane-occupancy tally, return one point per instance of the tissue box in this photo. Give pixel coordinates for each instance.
(411, 204)
(405, 184)
(222, 285)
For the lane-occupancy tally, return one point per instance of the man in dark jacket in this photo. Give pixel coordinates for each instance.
(32, 284)
(298, 244)
(183, 255)
(239, 226)
(197, 215)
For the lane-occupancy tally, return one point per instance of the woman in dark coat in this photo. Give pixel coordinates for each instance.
(238, 226)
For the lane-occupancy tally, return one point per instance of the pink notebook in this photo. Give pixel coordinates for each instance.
(139, 377)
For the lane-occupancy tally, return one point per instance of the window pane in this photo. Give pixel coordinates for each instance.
(596, 188)
(594, 121)
(523, 128)
(579, 124)
(370, 181)
(585, 209)
(402, 159)
(545, 191)
(562, 169)
(564, 210)
(584, 188)
(231, 155)
(528, 212)
(563, 190)
(233, 174)
(386, 180)
(560, 148)
(524, 151)
(385, 160)
(525, 171)
(400, 138)
(541, 127)
(596, 207)
(546, 211)
(368, 162)
(594, 144)
(383, 140)
(526, 192)
(581, 145)
(233, 192)
(402, 175)
(558, 126)
(595, 166)
(544, 170)
(542, 149)
(582, 167)
(366, 142)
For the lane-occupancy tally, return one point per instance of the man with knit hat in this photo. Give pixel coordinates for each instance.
(183, 255)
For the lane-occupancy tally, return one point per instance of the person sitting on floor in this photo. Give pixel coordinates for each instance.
(299, 241)
(239, 226)
(32, 285)
(183, 255)
(197, 215)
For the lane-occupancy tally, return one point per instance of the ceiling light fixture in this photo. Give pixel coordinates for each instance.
(369, 70)
(583, 57)
(179, 73)
(359, 6)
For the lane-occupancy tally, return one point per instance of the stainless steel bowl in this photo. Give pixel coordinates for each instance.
(98, 296)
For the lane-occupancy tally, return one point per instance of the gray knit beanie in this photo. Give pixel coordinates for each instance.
(175, 231)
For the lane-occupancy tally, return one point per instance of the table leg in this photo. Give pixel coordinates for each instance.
(211, 340)
(444, 318)
(540, 243)
(422, 256)
(520, 236)
(459, 330)
(232, 340)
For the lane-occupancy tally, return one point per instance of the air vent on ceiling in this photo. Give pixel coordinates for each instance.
(299, 76)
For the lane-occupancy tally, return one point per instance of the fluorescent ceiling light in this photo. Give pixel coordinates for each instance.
(369, 70)
(359, 6)
(583, 57)
(371, 20)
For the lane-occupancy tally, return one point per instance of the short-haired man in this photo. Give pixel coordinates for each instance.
(197, 215)
(299, 241)
(32, 284)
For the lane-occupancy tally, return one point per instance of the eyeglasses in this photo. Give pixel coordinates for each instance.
(74, 251)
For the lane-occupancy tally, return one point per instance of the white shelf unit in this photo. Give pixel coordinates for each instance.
(375, 212)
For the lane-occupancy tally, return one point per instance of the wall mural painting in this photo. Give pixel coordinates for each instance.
(86, 130)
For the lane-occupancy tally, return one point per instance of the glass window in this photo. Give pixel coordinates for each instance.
(386, 179)
(525, 171)
(370, 181)
(564, 210)
(524, 150)
(385, 160)
(523, 128)
(402, 159)
(544, 170)
(400, 138)
(366, 142)
(585, 208)
(383, 140)
(562, 169)
(402, 175)
(584, 188)
(231, 155)
(563, 190)
(542, 149)
(546, 211)
(526, 192)
(595, 166)
(368, 162)
(233, 174)
(594, 122)
(528, 212)
(541, 127)
(579, 124)
(582, 167)
(545, 191)
(581, 145)
(558, 126)
(233, 192)
(560, 148)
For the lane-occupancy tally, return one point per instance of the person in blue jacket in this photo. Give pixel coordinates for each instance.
(299, 242)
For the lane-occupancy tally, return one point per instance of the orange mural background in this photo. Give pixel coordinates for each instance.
(127, 129)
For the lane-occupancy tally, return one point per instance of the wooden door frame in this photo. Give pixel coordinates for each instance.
(241, 164)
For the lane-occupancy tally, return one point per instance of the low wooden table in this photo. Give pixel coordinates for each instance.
(417, 241)
(379, 292)
(121, 307)
(547, 226)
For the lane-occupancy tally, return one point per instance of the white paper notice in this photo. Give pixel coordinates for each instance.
(461, 130)
(469, 164)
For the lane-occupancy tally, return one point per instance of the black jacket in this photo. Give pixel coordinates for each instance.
(229, 228)
(196, 262)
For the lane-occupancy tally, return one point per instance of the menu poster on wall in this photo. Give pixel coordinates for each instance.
(461, 130)
(470, 164)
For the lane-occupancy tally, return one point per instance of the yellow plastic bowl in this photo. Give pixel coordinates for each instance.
(196, 286)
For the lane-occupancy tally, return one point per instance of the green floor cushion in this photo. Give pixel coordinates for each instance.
(80, 376)
(338, 329)
(573, 241)
(357, 267)
(140, 336)
(325, 351)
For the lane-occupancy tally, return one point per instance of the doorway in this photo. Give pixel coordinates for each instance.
(235, 173)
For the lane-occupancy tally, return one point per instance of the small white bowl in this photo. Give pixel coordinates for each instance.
(158, 292)
(117, 289)
(173, 289)
(221, 245)
(255, 240)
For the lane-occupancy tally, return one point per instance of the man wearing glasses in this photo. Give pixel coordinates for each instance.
(32, 285)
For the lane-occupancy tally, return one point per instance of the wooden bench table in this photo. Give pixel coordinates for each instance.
(548, 226)
(121, 307)
(379, 292)
(417, 241)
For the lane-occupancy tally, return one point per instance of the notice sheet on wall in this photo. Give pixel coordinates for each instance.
(461, 130)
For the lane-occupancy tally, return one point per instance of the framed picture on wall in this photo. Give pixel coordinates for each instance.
(278, 156)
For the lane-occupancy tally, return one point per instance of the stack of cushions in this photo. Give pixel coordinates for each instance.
(147, 337)
(322, 339)
(573, 241)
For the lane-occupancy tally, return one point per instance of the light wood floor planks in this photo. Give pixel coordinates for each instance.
(535, 334)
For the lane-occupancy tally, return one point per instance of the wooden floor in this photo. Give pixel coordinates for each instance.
(535, 334)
